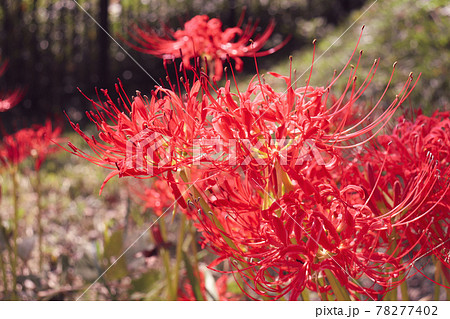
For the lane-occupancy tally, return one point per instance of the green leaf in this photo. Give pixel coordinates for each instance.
(339, 291)
(193, 279)
(113, 249)
(118, 271)
(146, 282)
(113, 245)
(233, 287)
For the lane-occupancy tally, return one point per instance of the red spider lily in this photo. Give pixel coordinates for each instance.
(15, 147)
(203, 37)
(146, 137)
(288, 246)
(409, 173)
(269, 200)
(11, 99)
(157, 197)
(38, 141)
(277, 250)
(43, 142)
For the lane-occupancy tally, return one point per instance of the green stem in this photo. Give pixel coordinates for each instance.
(15, 231)
(179, 255)
(448, 292)
(194, 247)
(438, 276)
(404, 290)
(2, 260)
(320, 282)
(39, 219)
(339, 291)
(305, 294)
(437, 273)
(5, 280)
(446, 284)
(166, 260)
(392, 295)
(193, 277)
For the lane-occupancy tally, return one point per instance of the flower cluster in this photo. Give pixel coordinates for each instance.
(203, 37)
(408, 172)
(292, 188)
(37, 141)
(157, 197)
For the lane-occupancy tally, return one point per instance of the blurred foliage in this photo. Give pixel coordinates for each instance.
(414, 33)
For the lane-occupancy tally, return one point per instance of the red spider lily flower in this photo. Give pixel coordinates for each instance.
(279, 218)
(158, 197)
(146, 137)
(269, 200)
(409, 173)
(15, 147)
(269, 130)
(288, 246)
(37, 141)
(43, 142)
(203, 37)
(11, 99)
